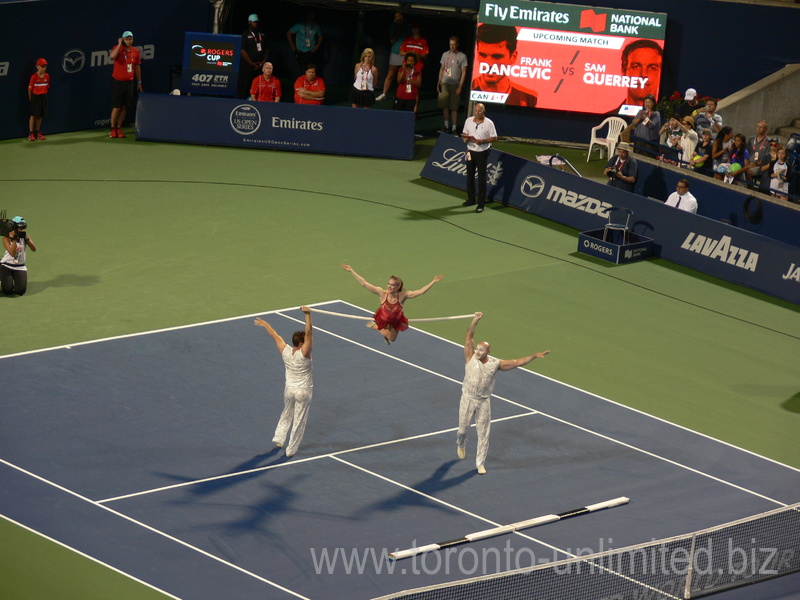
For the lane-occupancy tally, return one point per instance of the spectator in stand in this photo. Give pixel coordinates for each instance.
(764, 179)
(702, 162)
(689, 106)
(266, 88)
(671, 148)
(682, 198)
(309, 89)
(688, 141)
(779, 175)
(127, 69)
(452, 73)
(305, 38)
(38, 86)
(709, 118)
(398, 32)
(647, 124)
(622, 169)
(721, 150)
(740, 160)
(409, 79)
(362, 94)
(254, 53)
(759, 149)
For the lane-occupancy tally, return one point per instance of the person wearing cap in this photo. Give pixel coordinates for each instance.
(127, 69)
(254, 54)
(305, 38)
(760, 156)
(622, 169)
(682, 198)
(13, 270)
(689, 106)
(38, 86)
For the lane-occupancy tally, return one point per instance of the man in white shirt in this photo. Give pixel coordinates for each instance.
(480, 373)
(681, 198)
(479, 133)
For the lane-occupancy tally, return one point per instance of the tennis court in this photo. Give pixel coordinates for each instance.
(151, 453)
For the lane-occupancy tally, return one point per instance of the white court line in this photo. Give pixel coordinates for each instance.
(84, 555)
(153, 529)
(451, 506)
(301, 460)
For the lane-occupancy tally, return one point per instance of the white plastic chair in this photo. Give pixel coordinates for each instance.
(609, 142)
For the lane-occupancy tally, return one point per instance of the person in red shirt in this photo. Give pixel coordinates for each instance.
(266, 88)
(127, 68)
(416, 44)
(409, 78)
(309, 89)
(38, 87)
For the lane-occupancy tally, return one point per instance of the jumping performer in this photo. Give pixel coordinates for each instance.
(389, 318)
(480, 373)
(299, 383)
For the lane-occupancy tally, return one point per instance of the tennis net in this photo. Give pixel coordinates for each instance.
(697, 564)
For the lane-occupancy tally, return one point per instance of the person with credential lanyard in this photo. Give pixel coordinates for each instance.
(479, 133)
(622, 169)
(127, 69)
(254, 54)
(306, 41)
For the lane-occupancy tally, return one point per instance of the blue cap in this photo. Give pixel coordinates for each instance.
(254, 18)
(127, 34)
(18, 220)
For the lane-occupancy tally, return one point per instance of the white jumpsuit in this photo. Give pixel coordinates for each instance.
(296, 398)
(476, 392)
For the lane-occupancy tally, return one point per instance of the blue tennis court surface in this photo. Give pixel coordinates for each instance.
(152, 454)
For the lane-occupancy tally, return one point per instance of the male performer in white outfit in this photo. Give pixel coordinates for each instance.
(476, 391)
(299, 383)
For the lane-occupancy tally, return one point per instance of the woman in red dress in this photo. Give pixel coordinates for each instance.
(389, 318)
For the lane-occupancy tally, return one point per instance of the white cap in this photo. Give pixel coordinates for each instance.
(691, 94)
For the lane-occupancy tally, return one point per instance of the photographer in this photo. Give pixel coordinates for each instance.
(622, 169)
(13, 272)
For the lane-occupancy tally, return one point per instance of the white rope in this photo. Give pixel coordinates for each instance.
(327, 312)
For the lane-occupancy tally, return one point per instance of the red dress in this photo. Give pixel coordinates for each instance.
(391, 314)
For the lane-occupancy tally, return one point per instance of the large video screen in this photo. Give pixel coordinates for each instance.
(566, 57)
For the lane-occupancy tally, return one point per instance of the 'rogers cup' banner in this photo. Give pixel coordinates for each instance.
(566, 57)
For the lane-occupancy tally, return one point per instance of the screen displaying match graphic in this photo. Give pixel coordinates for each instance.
(566, 57)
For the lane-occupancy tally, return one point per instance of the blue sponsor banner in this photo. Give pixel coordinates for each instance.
(695, 241)
(210, 63)
(275, 125)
